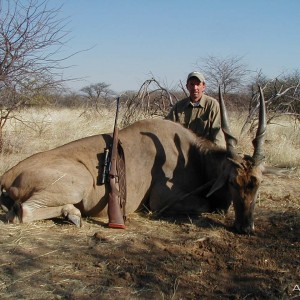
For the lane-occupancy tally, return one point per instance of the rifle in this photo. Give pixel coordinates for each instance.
(115, 215)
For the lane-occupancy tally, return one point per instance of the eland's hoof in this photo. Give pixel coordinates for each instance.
(75, 220)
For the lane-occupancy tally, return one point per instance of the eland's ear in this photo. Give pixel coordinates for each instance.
(224, 175)
(221, 180)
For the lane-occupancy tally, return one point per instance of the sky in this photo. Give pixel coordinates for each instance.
(130, 41)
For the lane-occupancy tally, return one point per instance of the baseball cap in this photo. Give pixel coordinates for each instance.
(197, 75)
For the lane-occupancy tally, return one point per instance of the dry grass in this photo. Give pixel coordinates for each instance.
(44, 129)
(282, 141)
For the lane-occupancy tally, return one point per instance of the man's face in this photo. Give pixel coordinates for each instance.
(196, 88)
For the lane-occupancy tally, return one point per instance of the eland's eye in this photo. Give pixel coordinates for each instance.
(253, 182)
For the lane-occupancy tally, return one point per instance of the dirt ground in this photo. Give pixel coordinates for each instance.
(184, 258)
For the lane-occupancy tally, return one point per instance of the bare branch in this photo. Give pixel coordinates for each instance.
(31, 39)
(148, 102)
(229, 73)
(282, 98)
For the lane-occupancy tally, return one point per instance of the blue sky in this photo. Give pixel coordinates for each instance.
(132, 39)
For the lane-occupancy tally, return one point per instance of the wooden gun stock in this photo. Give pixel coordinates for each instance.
(115, 215)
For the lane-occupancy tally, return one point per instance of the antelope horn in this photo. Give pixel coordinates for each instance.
(229, 138)
(259, 139)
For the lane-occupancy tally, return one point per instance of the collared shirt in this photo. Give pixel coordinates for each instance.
(203, 117)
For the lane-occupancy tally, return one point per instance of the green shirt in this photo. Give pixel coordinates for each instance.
(203, 119)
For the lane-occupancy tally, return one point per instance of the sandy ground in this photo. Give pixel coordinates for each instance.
(183, 258)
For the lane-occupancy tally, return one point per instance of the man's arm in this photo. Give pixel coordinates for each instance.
(216, 133)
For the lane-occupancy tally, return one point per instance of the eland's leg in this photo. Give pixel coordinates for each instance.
(30, 214)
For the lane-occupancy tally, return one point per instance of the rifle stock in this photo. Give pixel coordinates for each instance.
(115, 215)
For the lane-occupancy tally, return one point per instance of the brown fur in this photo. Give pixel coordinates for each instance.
(164, 162)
